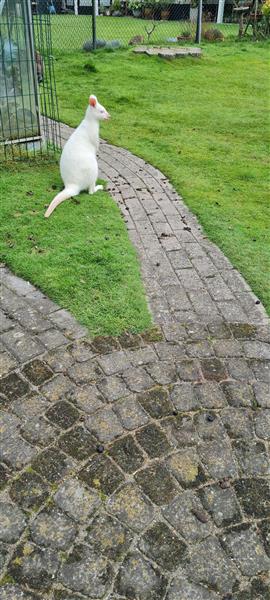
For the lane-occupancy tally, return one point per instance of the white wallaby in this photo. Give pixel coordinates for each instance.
(78, 163)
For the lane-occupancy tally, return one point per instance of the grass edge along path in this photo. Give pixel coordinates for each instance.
(81, 257)
(203, 123)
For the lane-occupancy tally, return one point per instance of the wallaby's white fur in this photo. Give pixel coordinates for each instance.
(78, 163)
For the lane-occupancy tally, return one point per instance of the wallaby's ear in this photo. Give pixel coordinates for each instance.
(92, 100)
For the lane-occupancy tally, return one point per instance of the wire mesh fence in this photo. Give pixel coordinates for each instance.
(120, 22)
(27, 84)
(48, 104)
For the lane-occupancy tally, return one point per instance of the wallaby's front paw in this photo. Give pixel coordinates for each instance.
(98, 187)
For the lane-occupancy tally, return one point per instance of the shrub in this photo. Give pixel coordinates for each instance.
(116, 6)
(186, 34)
(135, 4)
(213, 35)
(88, 46)
(266, 9)
(113, 44)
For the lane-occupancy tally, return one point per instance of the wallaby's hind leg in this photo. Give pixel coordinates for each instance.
(94, 188)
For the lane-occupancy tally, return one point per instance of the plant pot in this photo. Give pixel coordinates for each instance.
(165, 13)
(184, 38)
(148, 13)
(137, 13)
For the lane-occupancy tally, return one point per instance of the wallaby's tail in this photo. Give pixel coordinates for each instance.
(68, 192)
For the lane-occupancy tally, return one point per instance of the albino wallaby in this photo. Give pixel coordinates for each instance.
(78, 163)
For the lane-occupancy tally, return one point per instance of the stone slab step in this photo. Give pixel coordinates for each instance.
(168, 52)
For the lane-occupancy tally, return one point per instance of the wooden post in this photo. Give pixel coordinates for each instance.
(255, 23)
(241, 24)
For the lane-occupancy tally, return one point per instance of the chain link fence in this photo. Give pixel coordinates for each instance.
(124, 22)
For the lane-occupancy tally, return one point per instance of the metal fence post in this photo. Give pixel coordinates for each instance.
(94, 24)
(199, 23)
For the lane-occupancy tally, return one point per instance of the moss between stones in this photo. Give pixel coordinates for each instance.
(6, 579)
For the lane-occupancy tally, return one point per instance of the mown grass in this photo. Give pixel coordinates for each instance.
(81, 257)
(203, 122)
(70, 32)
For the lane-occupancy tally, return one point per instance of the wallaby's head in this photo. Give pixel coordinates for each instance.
(96, 110)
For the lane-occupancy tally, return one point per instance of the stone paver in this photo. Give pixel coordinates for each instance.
(137, 467)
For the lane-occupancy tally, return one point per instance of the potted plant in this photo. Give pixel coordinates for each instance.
(105, 9)
(264, 17)
(116, 8)
(136, 7)
(185, 36)
(150, 8)
(165, 10)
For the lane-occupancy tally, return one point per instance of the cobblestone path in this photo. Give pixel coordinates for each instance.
(137, 467)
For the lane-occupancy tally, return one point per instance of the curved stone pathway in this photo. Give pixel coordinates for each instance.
(137, 468)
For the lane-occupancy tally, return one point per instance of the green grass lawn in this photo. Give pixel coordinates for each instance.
(203, 122)
(81, 257)
(70, 32)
